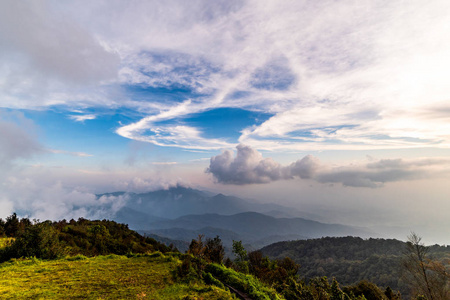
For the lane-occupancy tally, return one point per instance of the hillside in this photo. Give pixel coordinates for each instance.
(351, 259)
(101, 277)
(45, 261)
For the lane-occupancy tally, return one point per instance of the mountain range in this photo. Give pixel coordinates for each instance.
(181, 214)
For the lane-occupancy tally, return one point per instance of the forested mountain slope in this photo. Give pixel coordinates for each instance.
(351, 259)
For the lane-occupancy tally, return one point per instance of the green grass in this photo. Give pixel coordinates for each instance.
(101, 277)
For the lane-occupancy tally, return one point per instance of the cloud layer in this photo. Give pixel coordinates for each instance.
(16, 139)
(335, 75)
(249, 167)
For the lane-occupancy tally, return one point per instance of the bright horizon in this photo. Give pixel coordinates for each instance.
(339, 109)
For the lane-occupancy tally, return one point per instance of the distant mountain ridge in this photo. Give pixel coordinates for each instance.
(251, 227)
(179, 201)
(181, 213)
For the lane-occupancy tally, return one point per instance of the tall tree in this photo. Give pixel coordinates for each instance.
(425, 275)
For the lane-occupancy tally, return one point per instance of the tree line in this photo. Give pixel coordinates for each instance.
(49, 240)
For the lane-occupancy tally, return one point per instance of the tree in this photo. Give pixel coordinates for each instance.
(2, 227)
(239, 251)
(196, 248)
(40, 240)
(428, 278)
(365, 288)
(214, 250)
(12, 225)
(241, 260)
(391, 295)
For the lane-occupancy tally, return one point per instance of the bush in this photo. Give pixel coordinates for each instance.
(39, 241)
(209, 279)
(242, 282)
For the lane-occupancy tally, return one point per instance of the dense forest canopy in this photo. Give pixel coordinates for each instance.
(351, 259)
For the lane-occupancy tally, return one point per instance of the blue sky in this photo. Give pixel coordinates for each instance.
(344, 103)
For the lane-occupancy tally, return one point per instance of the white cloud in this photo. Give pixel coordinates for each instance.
(46, 56)
(17, 140)
(55, 202)
(336, 75)
(143, 185)
(249, 167)
(164, 163)
(170, 135)
(78, 154)
(82, 118)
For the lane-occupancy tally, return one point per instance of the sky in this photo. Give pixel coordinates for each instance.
(337, 108)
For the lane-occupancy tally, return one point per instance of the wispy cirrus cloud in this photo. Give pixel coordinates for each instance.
(78, 154)
(335, 75)
(164, 163)
(358, 85)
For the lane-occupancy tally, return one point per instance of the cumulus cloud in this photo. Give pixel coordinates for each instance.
(305, 168)
(249, 167)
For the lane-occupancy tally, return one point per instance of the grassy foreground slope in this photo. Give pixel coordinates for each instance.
(102, 277)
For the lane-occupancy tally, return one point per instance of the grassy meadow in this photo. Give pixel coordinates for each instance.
(101, 277)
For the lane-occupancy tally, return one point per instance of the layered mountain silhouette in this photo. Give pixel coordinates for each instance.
(181, 213)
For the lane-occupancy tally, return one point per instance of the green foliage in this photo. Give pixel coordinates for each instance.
(209, 279)
(211, 251)
(191, 269)
(242, 282)
(196, 248)
(239, 251)
(352, 259)
(12, 225)
(203, 263)
(214, 250)
(241, 262)
(367, 289)
(40, 240)
(49, 240)
(282, 275)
